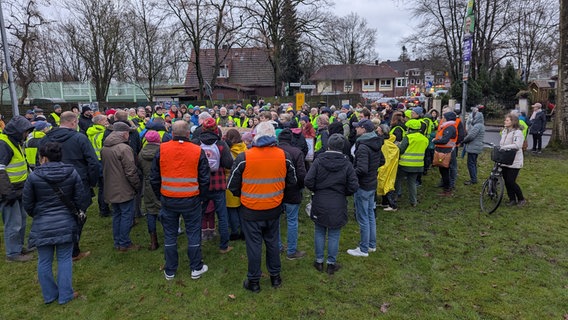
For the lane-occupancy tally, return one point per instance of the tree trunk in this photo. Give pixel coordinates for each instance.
(560, 128)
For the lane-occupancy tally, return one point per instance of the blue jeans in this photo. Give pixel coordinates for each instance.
(14, 217)
(364, 201)
(122, 220)
(255, 232)
(292, 222)
(220, 200)
(472, 166)
(234, 220)
(63, 289)
(170, 221)
(454, 168)
(332, 243)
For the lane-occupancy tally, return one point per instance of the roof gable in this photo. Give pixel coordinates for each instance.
(247, 67)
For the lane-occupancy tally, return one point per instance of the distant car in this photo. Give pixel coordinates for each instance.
(388, 101)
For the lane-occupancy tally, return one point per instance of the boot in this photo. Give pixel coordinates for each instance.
(154, 245)
(252, 285)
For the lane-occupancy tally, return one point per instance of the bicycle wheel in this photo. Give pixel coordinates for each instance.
(491, 194)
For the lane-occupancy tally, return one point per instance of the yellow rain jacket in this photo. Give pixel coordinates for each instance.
(387, 173)
(232, 201)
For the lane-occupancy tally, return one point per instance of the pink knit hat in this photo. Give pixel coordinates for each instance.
(152, 136)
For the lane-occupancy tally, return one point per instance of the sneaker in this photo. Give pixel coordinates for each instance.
(169, 277)
(372, 250)
(390, 209)
(196, 274)
(28, 250)
(252, 285)
(296, 255)
(332, 268)
(469, 182)
(512, 203)
(82, 255)
(357, 252)
(276, 281)
(19, 258)
(227, 250)
(522, 203)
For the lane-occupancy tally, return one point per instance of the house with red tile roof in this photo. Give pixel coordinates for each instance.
(243, 73)
(366, 79)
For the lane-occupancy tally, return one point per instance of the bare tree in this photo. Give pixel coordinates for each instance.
(531, 32)
(349, 40)
(266, 28)
(560, 128)
(24, 25)
(60, 62)
(95, 30)
(150, 50)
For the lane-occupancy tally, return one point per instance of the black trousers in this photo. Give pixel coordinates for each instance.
(255, 233)
(513, 190)
(537, 142)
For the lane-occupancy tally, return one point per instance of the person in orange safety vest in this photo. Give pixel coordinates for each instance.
(180, 177)
(259, 176)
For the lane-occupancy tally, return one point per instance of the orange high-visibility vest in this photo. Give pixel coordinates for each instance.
(178, 166)
(264, 178)
(440, 134)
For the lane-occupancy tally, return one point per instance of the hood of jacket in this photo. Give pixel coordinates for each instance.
(54, 172)
(16, 128)
(61, 134)
(264, 141)
(330, 159)
(208, 137)
(372, 140)
(149, 151)
(477, 118)
(151, 125)
(113, 139)
(238, 148)
(95, 129)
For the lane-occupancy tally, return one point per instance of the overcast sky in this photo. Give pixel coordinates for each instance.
(392, 21)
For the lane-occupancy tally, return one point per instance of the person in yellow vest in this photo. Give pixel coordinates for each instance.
(140, 119)
(54, 117)
(95, 134)
(261, 189)
(32, 142)
(411, 163)
(13, 175)
(179, 191)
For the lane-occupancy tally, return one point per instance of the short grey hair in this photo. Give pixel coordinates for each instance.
(264, 129)
(204, 115)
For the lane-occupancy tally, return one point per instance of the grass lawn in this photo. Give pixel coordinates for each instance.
(440, 260)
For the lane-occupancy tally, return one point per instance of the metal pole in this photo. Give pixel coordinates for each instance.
(464, 100)
(11, 84)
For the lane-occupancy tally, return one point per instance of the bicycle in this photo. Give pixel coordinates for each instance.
(494, 187)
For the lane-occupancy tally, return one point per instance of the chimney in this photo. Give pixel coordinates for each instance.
(376, 62)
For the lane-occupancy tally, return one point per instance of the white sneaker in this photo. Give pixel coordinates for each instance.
(372, 250)
(168, 277)
(357, 252)
(390, 209)
(196, 274)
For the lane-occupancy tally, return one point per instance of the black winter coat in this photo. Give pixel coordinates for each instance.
(368, 159)
(77, 151)
(332, 178)
(53, 223)
(293, 192)
(538, 124)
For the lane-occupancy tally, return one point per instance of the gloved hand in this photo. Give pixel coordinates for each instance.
(11, 198)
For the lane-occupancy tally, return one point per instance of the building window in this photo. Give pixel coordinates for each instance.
(369, 85)
(385, 84)
(223, 71)
(415, 72)
(411, 81)
(347, 85)
(418, 81)
(401, 82)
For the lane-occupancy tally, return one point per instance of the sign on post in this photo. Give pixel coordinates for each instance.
(300, 100)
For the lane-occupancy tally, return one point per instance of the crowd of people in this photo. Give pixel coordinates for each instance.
(230, 171)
